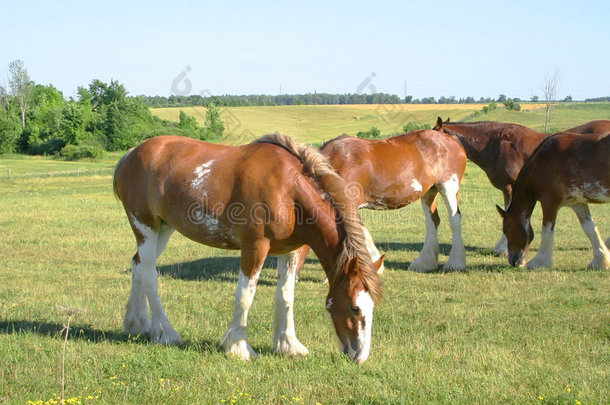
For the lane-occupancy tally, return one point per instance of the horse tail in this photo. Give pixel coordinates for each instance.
(116, 169)
(338, 190)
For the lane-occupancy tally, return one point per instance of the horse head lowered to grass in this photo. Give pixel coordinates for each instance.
(268, 197)
(501, 149)
(567, 169)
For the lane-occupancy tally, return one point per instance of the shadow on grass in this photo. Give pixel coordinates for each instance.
(445, 248)
(226, 268)
(88, 334)
(212, 268)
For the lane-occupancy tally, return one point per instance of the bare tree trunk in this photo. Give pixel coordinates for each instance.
(20, 85)
(551, 84)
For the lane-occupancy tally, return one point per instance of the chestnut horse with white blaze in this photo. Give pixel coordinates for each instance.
(268, 197)
(393, 172)
(567, 169)
(500, 149)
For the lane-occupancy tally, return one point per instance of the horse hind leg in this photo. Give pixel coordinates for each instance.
(449, 191)
(284, 335)
(601, 254)
(145, 286)
(428, 257)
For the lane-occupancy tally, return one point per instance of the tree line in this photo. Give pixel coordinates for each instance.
(36, 119)
(193, 100)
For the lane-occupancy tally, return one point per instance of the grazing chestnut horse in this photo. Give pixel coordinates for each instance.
(268, 197)
(567, 169)
(500, 149)
(393, 172)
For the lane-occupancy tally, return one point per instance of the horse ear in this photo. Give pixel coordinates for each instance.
(379, 262)
(501, 211)
(353, 268)
(439, 122)
(448, 120)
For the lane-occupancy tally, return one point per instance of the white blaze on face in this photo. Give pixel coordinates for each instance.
(366, 305)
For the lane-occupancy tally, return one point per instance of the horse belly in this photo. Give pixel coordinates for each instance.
(595, 193)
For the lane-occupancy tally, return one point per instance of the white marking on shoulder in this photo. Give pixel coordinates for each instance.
(416, 185)
(201, 174)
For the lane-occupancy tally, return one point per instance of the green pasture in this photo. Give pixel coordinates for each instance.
(316, 124)
(491, 334)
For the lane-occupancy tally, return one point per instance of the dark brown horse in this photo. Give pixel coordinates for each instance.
(268, 197)
(393, 172)
(500, 149)
(567, 169)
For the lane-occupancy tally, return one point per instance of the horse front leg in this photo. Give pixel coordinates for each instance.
(544, 257)
(252, 259)
(284, 336)
(457, 257)
(501, 248)
(601, 255)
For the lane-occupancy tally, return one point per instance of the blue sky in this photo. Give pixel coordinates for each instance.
(440, 48)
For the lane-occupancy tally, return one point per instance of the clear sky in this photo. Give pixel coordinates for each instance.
(440, 48)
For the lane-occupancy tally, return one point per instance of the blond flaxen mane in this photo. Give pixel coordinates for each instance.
(354, 245)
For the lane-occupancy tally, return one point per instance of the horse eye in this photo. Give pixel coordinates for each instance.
(355, 309)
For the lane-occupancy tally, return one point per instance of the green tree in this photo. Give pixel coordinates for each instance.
(511, 105)
(10, 129)
(213, 126)
(72, 124)
(188, 123)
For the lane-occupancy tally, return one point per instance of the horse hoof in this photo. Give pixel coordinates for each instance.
(421, 268)
(242, 350)
(500, 252)
(168, 338)
(454, 266)
(290, 347)
(601, 264)
(137, 326)
(537, 263)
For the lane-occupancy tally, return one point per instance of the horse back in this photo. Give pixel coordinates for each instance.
(592, 127)
(213, 194)
(573, 165)
(393, 172)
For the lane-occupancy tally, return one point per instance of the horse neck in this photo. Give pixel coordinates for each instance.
(320, 228)
(473, 139)
(523, 199)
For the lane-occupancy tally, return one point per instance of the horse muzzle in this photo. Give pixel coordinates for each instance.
(516, 259)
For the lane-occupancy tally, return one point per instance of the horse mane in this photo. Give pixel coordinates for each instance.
(354, 243)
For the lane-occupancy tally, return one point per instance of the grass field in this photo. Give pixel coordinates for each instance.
(491, 334)
(315, 124)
